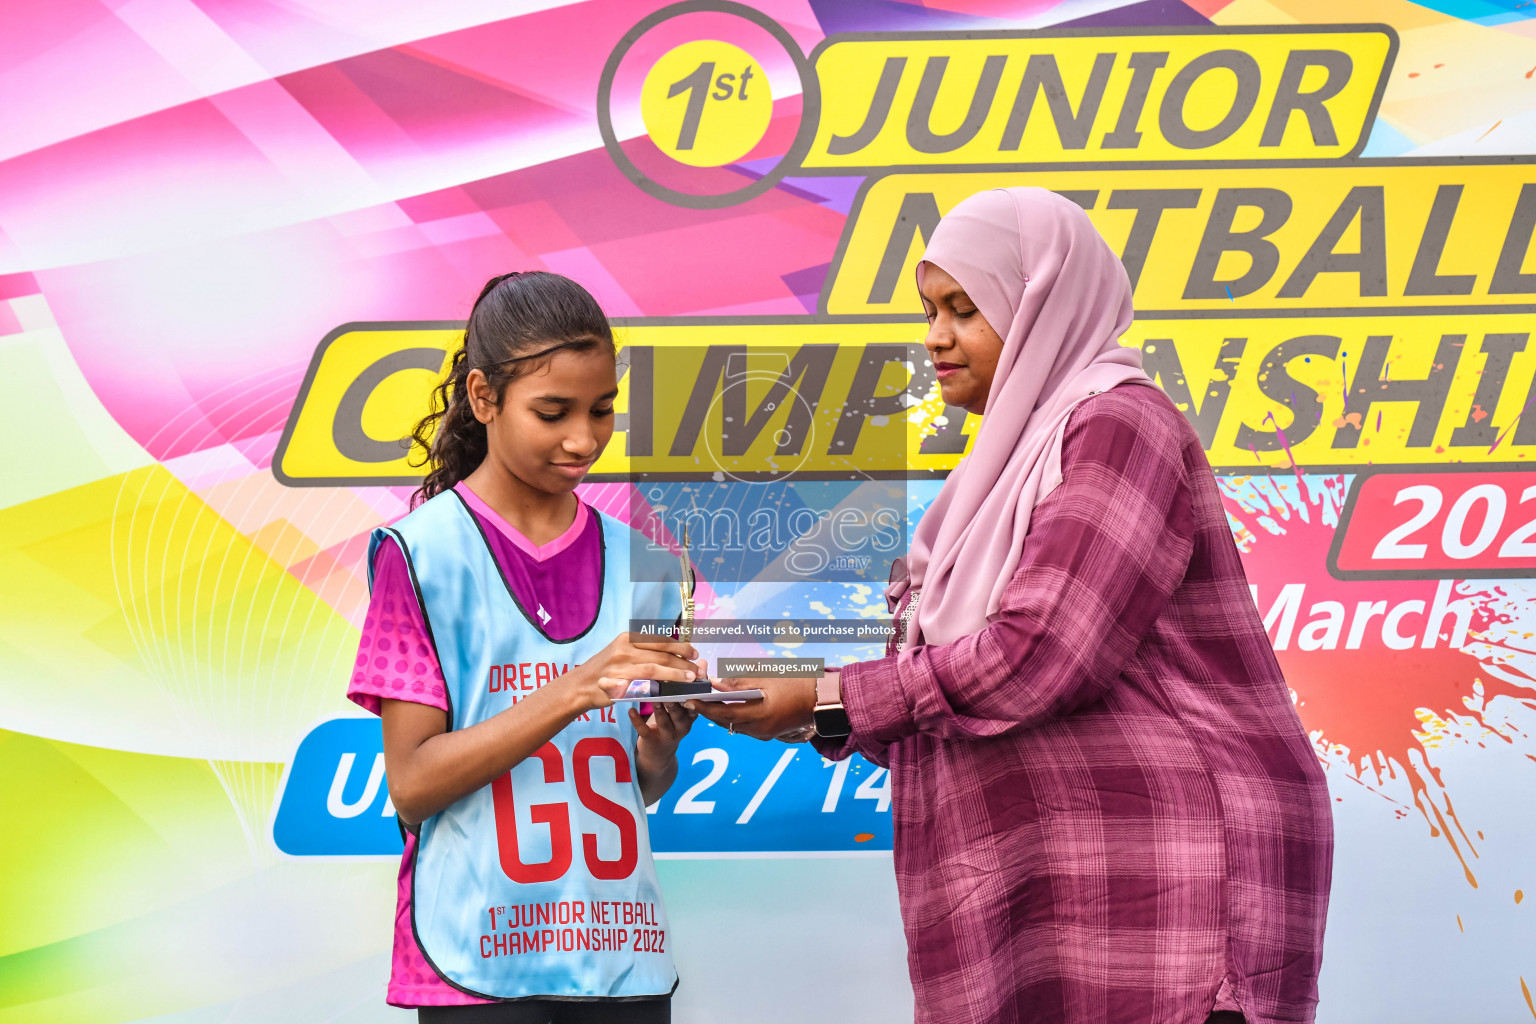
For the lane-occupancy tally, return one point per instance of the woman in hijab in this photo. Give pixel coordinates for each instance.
(1106, 809)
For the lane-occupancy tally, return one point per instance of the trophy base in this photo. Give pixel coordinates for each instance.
(670, 689)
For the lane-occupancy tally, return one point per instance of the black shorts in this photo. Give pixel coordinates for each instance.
(553, 1011)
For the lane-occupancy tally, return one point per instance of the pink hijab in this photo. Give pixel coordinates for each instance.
(1045, 281)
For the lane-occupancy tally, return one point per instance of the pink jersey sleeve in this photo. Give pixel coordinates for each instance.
(394, 657)
(396, 660)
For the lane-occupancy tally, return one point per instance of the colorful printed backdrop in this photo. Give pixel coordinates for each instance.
(216, 215)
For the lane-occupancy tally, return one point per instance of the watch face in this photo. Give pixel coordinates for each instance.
(832, 721)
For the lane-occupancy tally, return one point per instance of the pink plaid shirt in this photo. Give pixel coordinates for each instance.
(1106, 808)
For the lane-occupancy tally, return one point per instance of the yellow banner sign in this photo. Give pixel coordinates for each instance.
(1024, 98)
(804, 399)
(1402, 234)
(367, 387)
(1335, 392)
(697, 399)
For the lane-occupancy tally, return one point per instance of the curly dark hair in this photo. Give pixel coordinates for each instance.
(519, 320)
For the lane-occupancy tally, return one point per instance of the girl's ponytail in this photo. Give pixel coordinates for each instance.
(516, 316)
(457, 444)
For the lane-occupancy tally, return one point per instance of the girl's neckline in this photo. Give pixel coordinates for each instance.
(539, 553)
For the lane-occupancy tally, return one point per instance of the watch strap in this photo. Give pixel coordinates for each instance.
(830, 715)
(829, 688)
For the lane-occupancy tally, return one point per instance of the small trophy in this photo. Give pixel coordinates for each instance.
(685, 624)
(665, 691)
(686, 585)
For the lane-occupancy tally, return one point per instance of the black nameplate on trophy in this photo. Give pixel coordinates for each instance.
(672, 689)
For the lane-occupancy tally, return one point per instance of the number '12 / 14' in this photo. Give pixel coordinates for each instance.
(696, 85)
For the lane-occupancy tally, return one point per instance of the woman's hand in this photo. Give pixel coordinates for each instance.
(656, 740)
(607, 674)
(785, 707)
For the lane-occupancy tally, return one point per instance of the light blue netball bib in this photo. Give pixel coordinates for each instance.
(542, 883)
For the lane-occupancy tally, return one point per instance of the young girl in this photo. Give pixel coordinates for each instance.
(493, 647)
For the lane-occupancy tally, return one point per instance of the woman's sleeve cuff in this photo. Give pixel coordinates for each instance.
(876, 702)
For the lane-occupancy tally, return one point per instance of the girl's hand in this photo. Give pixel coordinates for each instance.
(657, 737)
(656, 743)
(606, 675)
